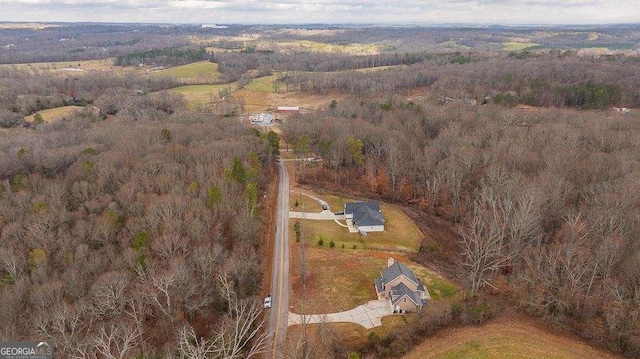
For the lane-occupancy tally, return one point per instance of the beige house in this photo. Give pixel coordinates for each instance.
(401, 287)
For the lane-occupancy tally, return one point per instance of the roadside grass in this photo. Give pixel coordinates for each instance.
(341, 279)
(305, 203)
(327, 231)
(504, 338)
(203, 71)
(517, 46)
(54, 114)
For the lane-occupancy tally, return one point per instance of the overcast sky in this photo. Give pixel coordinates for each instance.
(326, 11)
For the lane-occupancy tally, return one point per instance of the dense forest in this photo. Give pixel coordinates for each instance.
(135, 235)
(544, 204)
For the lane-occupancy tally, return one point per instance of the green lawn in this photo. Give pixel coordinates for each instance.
(400, 234)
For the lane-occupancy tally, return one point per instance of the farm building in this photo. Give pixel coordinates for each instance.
(262, 119)
(288, 109)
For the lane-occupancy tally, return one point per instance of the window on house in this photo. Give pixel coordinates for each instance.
(405, 300)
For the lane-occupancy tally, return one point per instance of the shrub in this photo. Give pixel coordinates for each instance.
(355, 246)
(140, 240)
(165, 135)
(38, 118)
(332, 244)
(39, 206)
(320, 241)
(36, 258)
(90, 151)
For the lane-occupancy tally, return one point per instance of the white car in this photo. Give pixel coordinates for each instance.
(267, 302)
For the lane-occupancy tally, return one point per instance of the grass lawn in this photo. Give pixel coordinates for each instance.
(305, 203)
(517, 46)
(54, 114)
(400, 234)
(504, 338)
(341, 279)
(203, 71)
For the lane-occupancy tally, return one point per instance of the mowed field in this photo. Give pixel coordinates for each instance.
(506, 337)
(198, 72)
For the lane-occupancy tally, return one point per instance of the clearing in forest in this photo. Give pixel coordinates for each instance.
(200, 72)
(342, 278)
(53, 114)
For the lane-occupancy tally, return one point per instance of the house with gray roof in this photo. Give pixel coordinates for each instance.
(364, 216)
(400, 286)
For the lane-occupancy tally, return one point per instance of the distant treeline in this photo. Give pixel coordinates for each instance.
(545, 81)
(234, 64)
(163, 57)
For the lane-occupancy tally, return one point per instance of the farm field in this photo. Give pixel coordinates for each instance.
(198, 72)
(505, 337)
(74, 67)
(198, 96)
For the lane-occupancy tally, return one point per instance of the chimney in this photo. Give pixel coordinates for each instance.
(390, 262)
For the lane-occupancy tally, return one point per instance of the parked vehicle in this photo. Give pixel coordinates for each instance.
(267, 302)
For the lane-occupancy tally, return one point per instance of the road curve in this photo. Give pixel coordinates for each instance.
(278, 321)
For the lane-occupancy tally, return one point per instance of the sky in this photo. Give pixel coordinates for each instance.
(325, 11)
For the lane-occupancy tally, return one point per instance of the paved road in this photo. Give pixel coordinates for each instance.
(278, 321)
(367, 315)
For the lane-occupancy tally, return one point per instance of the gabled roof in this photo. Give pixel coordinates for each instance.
(402, 290)
(365, 213)
(379, 285)
(397, 269)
